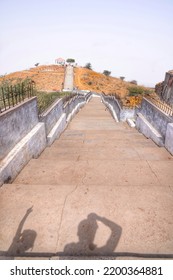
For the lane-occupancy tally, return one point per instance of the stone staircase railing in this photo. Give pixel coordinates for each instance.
(162, 105)
(24, 135)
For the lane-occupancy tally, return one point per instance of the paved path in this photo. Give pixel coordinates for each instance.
(101, 188)
(68, 82)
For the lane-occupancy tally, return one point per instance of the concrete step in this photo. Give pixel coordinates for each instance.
(92, 153)
(97, 191)
(62, 221)
(104, 153)
(99, 143)
(101, 135)
(96, 172)
(39, 225)
(81, 134)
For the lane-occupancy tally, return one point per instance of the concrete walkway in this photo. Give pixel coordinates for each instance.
(102, 189)
(68, 82)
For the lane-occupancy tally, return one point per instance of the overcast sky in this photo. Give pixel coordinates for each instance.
(131, 38)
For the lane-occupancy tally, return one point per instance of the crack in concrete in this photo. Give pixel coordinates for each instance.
(153, 172)
(62, 212)
(84, 176)
(82, 181)
(171, 188)
(137, 153)
(78, 158)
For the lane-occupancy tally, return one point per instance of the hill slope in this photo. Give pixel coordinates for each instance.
(51, 77)
(91, 80)
(46, 77)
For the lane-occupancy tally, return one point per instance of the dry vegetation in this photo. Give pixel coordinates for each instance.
(46, 78)
(49, 78)
(97, 82)
(91, 80)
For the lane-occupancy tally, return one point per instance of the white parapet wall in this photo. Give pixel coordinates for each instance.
(74, 111)
(155, 124)
(169, 138)
(148, 130)
(57, 130)
(33, 138)
(16, 123)
(111, 109)
(29, 147)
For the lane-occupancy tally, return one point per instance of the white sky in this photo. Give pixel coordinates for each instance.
(130, 38)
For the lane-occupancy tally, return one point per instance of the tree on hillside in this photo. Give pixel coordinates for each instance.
(70, 60)
(88, 66)
(134, 82)
(106, 72)
(122, 78)
(36, 64)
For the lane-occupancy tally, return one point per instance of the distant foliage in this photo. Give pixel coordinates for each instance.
(122, 78)
(36, 64)
(136, 90)
(106, 72)
(70, 60)
(88, 66)
(134, 82)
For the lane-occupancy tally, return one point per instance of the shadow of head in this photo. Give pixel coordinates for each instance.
(87, 230)
(24, 243)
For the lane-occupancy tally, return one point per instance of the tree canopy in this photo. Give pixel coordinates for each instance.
(106, 72)
(70, 60)
(122, 78)
(134, 82)
(88, 66)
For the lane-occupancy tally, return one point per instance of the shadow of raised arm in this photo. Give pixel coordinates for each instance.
(18, 234)
(114, 237)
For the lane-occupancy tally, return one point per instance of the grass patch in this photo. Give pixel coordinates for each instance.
(135, 90)
(138, 90)
(45, 99)
(11, 95)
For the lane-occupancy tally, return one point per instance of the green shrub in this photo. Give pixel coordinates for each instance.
(136, 90)
(45, 99)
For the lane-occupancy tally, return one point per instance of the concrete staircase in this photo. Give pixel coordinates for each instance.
(101, 190)
(68, 81)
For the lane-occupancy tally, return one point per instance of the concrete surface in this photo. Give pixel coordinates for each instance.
(52, 124)
(56, 130)
(145, 127)
(118, 113)
(68, 81)
(51, 116)
(102, 190)
(29, 147)
(16, 123)
(169, 138)
(155, 116)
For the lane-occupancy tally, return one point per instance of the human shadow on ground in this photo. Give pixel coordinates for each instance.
(87, 230)
(23, 240)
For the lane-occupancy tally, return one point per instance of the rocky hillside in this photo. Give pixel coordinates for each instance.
(130, 94)
(51, 77)
(91, 80)
(46, 77)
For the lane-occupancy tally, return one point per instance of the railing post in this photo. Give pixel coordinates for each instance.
(12, 95)
(3, 98)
